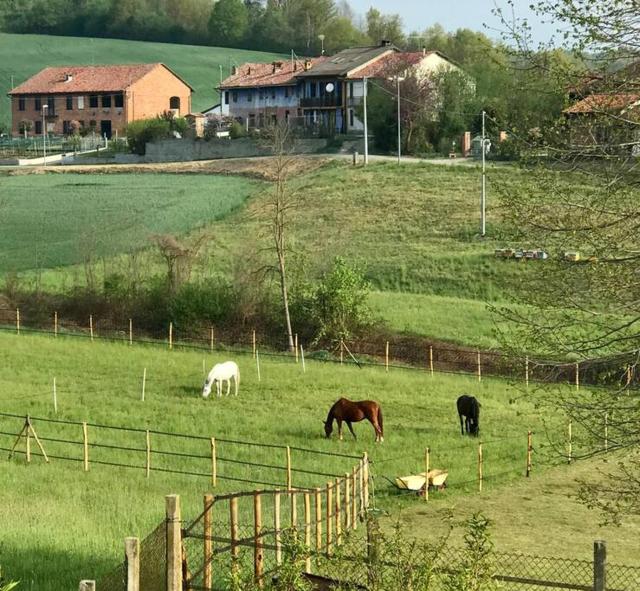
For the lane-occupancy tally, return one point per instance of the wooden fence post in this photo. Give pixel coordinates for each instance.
(170, 335)
(307, 529)
(338, 516)
(55, 397)
(318, 503)
(599, 565)
(354, 494)
(386, 357)
(55, 324)
(258, 363)
(329, 510)
(174, 543)
(479, 367)
(289, 479)
(144, 382)
(208, 541)
(341, 351)
(347, 501)
(18, 320)
(365, 479)
(427, 461)
(577, 376)
(570, 442)
(431, 359)
(526, 371)
(132, 561)
(253, 342)
(130, 331)
(361, 479)
(606, 431)
(294, 509)
(211, 339)
(296, 346)
(258, 550)
(91, 326)
(87, 586)
(214, 463)
(235, 548)
(85, 447)
(628, 378)
(148, 463)
(304, 368)
(276, 526)
(480, 462)
(529, 450)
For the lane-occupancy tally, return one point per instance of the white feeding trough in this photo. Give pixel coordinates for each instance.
(416, 482)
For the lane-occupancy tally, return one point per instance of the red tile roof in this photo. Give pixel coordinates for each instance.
(281, 73)
(390, 64)
(600, 103)
(85, 79)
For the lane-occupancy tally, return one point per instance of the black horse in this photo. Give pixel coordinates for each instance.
(469, 408)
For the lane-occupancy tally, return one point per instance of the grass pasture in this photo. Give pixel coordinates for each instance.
(51, 221)
(22, 56)
(76, 520)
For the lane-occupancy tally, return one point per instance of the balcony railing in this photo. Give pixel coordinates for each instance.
(319, 102)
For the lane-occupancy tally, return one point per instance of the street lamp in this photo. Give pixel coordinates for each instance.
(397, 80)
(44, 133)
(322, 38)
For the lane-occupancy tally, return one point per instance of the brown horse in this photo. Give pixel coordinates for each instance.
(353, 412)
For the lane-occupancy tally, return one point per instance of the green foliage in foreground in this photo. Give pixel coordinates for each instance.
(61, 219)
(78, 528)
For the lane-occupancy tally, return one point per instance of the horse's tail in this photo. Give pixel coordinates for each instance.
(380, 420)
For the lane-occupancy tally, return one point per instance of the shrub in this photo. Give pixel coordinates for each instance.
(237, 130)
(139, 133)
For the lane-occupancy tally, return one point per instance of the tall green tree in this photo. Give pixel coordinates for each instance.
(229, 23)
(385, 27)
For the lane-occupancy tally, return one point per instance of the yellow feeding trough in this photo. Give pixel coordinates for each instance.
(437, 480)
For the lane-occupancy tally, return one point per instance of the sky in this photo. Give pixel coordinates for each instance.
(417, 15)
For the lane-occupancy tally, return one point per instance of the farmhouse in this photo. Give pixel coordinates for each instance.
(321, 92)
(100, 98)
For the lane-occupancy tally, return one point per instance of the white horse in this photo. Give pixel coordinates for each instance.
(221, 372)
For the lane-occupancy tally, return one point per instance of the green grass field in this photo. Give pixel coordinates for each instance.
(53, 221)
(77, 521)
(22, 56)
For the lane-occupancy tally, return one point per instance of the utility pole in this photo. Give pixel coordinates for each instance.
(398, 79)
(483, 200)
(220, 89)
(44, 134)
(366, 127)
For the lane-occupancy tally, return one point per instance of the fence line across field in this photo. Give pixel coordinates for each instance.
(433, 359)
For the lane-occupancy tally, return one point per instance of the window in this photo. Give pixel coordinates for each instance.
(250, 96)
(22, 104)
(235, 96)
(351, 118)
(312, 89)
(51, 103)
(93, 101)
(252, 119)
(226, 97)
(262, 95)
(37, 104)
(69, 103)
(38, 127)
(286, 92)
(66, 128)
(261, 120)
(273, 93)
(118, 100)
(106, 101)
(80, 102)
(174, 102)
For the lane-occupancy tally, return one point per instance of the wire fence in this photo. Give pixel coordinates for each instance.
(392, 352)
(221, 461)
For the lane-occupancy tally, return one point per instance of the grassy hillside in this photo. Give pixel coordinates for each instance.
(76, 531)
(50, 221)
(21, 56)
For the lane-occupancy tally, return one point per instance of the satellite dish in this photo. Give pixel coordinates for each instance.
(330, 87)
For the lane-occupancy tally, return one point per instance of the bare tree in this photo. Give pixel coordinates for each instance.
(178, 256)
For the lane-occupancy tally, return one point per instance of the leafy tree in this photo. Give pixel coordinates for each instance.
(228, 23)
(140, 133)
(387, 27)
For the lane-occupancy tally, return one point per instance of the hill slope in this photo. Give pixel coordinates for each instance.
(21, 56)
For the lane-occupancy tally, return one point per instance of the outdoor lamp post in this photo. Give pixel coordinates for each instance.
(397, 80)
(322, 38)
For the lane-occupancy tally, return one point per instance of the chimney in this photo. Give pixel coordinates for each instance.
(234, 70)
(307, 65)
(68, 77)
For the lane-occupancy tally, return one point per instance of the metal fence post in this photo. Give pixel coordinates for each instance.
(599, 565)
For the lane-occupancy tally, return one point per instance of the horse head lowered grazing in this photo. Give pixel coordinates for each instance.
(222, 372)
(353, 412)
(469, 408)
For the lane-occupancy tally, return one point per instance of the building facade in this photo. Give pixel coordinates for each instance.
(322, 93)
(104, 99)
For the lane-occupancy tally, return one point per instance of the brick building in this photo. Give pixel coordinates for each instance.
(102, 98)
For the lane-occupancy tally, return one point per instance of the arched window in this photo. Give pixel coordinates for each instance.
(174, 102)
